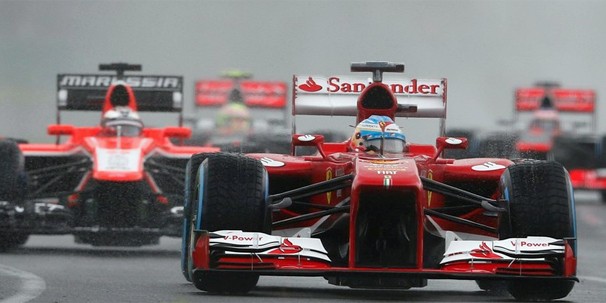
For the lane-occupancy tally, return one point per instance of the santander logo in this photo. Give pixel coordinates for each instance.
(484, 252)
(350, 86)
(310, 86)
(287, 247)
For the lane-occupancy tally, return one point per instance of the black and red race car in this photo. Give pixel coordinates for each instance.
(376, 211)
(117, 182)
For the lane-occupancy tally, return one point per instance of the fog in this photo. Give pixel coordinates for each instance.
(484, 48)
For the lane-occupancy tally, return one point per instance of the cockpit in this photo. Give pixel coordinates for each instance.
(122, 127)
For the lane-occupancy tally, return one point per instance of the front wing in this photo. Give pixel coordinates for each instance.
(530, 257)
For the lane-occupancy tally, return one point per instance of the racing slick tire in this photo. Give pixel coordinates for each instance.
(13, 181)
(13, 189)
(230, 193)
(540, 203)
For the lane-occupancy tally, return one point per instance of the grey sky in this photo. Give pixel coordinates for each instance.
(485, 48)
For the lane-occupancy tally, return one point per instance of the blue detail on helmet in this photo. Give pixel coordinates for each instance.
(370, 129)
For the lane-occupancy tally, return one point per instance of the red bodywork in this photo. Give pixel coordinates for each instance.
(122, 184)
(382, 190)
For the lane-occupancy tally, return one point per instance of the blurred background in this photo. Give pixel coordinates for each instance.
(486, 49)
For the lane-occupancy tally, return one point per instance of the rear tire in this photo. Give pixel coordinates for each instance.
(540, 203)
(229, 193)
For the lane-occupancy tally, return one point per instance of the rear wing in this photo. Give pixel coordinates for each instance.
(86, 92)
(564, 100)
(338, 95)
(264, 94)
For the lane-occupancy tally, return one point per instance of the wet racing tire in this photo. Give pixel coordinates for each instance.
(13, 181)
(13, 188)
(230, 193)
(540, 203)
(190, 182)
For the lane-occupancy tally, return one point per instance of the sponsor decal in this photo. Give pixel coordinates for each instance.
(271, 162)
(306, 138)
(242, 238)
(454, 141)
(429, 192)
(118, 160)
(106, 81)
(336, 84)
(387, 181)
(339, 172)
(488, 166)
(310, 86)
(289, 248)
(529, 244)
(378, 166)
(328, 177)
(386, 172)
(484, 251)
(412, 88)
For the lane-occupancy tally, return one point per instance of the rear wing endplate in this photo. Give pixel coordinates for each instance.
(564, 100)
(338, 95)
(215, 93)
(86, 92)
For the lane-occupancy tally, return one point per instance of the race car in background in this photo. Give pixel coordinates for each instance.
(376, 211)
(239, 114)
(114, 183)
(558, 115)
(547, 122)
(563, 128)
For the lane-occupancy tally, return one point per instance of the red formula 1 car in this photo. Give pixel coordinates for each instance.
(582, 153)
(547, 104)
(117, 183)
(376, 211)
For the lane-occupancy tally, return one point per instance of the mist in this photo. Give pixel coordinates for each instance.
(486, 49)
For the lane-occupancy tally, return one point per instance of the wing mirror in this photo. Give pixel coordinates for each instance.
(177, 132)
(449, 143)
(60, 129)
(308, 140)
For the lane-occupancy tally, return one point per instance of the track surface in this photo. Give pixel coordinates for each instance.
(54, 269)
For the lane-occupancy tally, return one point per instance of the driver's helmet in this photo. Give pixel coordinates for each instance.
(122, 121)
(378, 135)
(233, 118)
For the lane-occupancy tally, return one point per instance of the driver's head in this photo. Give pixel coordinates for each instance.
(378, 135)
(233, 118)
(123, 120)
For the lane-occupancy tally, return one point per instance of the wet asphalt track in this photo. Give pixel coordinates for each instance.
(55, 269)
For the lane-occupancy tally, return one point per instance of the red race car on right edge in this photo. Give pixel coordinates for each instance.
(377, 211)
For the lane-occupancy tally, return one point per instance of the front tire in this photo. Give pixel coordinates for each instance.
(13, 189)
(191, 173)
(540, 203)
(230, 193)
